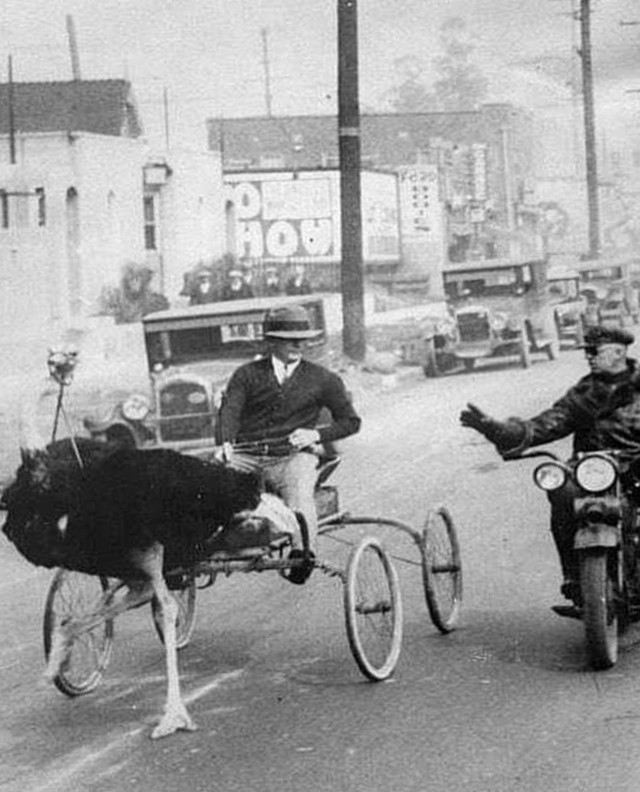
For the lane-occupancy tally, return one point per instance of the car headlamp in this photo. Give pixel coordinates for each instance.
(136, 407)
(596, 473)
(499, 321)
(550, 476)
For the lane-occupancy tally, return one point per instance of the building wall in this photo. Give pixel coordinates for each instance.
(192, 225)
(50, 276)
(501, 132)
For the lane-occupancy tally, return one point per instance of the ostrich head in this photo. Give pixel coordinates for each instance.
(34, 512)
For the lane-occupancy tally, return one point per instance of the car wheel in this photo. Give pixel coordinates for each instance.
(553, 349)
(431, 367)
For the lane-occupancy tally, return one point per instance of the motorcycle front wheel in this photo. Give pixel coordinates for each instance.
(600, 617)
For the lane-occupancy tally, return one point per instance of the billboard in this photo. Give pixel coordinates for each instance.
(284, 215)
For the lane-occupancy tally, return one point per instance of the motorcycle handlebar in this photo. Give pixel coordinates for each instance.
(532, 455)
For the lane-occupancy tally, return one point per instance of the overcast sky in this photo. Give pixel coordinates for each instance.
(208, 54)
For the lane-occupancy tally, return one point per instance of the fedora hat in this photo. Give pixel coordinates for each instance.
(290, 322)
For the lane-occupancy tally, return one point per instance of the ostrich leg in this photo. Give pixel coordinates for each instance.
(175, 713)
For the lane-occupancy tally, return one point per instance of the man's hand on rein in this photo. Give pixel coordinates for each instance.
(301, 438)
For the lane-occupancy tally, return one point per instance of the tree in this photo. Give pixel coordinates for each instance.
(411, 95)
(461, 86)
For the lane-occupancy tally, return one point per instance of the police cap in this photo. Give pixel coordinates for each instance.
(599, 335)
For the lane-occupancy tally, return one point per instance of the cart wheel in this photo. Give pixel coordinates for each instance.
(441, 569)
(373, 610)
(72, 595)
(186, 620)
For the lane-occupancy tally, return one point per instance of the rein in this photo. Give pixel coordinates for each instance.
(61, 366)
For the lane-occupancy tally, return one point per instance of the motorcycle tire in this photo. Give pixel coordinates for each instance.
(598, 588)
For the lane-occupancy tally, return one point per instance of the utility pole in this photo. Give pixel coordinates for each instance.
(267, 69)
(589, 129)
(353, 333)
(165, 110)
(73, 48)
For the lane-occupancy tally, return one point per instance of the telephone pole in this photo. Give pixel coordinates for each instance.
(267, 69)
(353, 332)
(73, 48)
(589, 129)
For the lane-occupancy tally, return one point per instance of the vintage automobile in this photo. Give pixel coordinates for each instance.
(498, 308)
(569, 304)
(191, 353)
(612, 287)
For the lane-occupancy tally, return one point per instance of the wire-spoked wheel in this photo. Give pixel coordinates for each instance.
(441, 569)
(373, 610)
(185, 598)
(71, 596)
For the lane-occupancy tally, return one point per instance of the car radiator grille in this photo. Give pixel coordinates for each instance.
(185, 412)
(473, 327)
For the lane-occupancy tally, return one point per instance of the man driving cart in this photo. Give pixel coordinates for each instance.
(601, 411)
(271, 411)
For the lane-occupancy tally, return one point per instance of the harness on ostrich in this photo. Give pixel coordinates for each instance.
(61, 365)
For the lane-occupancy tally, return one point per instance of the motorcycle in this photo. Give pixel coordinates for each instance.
(606, 542)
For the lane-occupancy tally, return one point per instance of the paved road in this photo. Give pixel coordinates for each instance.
(505, 703)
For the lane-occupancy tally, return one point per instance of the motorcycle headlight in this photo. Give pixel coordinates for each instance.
(596, 473)
(136, 407)
(550, 476)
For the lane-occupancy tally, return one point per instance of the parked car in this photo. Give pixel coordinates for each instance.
(569, 304)
(498, 308)
(191, 353)
(613, 287)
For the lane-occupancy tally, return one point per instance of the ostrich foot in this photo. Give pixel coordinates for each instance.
(173, 720)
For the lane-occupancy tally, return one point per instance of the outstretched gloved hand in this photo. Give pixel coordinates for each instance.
(504, 434)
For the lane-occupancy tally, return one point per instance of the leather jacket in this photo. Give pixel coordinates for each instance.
(602, 411)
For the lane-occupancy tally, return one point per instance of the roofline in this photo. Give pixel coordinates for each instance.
(335, 169)
(66, 82)
(500, 263)
(227, 307)
(279, 119)
(76, 133)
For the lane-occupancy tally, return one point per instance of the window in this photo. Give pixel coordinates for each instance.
(41, 207)
(4, 208)
(150, 223)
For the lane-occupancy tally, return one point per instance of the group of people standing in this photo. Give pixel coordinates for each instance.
(135, 297)
(238, 286)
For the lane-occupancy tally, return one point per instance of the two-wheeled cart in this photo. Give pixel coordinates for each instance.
(371, 591)
(372, 600)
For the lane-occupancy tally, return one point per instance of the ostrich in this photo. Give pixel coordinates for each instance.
(130, 514)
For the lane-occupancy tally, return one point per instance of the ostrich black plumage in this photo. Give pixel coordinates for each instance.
(128, 514)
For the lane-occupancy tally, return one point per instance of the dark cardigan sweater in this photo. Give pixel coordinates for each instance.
(256, 407)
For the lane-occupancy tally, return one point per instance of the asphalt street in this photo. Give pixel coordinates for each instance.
(504, 703)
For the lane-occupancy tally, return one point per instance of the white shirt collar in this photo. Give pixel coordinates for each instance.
(282, 371)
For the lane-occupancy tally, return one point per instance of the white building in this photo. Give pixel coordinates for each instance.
(81, 194)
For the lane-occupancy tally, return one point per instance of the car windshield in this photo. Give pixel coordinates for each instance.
(488, 283)
(567, 288)
(602, 273)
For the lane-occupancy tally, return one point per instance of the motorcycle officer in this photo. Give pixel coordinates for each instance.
(601, 411)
